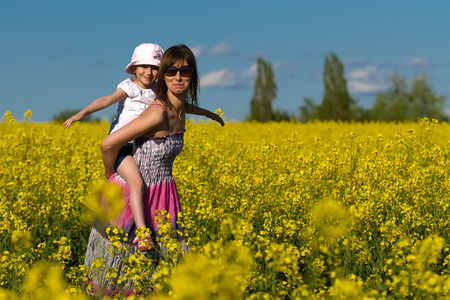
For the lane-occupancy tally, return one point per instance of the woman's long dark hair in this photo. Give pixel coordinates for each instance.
(171, 57)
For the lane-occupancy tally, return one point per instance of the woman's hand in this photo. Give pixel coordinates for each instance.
(218, 119)
(108, 175)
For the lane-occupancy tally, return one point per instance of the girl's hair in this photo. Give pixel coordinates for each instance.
(173, 55)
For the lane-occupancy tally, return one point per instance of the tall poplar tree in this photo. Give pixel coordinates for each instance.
(265, 91)
(337, 104)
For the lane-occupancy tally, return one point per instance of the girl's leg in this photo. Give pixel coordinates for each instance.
(129, 171)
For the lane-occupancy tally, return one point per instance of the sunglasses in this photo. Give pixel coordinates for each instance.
(184, 71)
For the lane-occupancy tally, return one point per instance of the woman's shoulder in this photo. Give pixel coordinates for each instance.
(156, 111)
(158, 103)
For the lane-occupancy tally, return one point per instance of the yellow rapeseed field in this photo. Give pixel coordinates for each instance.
(322, 210)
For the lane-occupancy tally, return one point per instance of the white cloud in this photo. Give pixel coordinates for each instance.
(363, 73)
(224, 47)
(250, 72)
(375, 78)
(229, 79)
(221, 78)
(226, 78)
(365, 87)
(198, 50)
(279, 65)
(417, 62)
(367, 80)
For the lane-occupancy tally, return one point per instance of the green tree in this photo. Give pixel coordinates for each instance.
(403, 101)
(265, 90)
(63, 115)
(337, 104)
(279, 115)
(308, 111)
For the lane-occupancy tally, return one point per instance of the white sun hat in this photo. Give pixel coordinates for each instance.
(145, 54)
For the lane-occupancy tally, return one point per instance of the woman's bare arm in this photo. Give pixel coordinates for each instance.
(195, 110)
(151, 119)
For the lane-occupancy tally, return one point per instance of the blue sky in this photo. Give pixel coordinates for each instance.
(58, 55)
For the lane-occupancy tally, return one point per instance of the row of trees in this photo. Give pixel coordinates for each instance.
(402, 101)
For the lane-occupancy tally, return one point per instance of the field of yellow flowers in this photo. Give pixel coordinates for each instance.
(322, 210)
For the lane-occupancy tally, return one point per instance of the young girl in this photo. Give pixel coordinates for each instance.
(134, 96)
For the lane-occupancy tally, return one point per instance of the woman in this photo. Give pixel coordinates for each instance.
(158, 134)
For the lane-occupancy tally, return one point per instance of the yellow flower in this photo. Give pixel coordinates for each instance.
(21, 239)
(8, 117)
(219, 112)
(27, 115)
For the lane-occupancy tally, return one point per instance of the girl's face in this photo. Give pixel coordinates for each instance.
(145, 75)
(178, 78)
